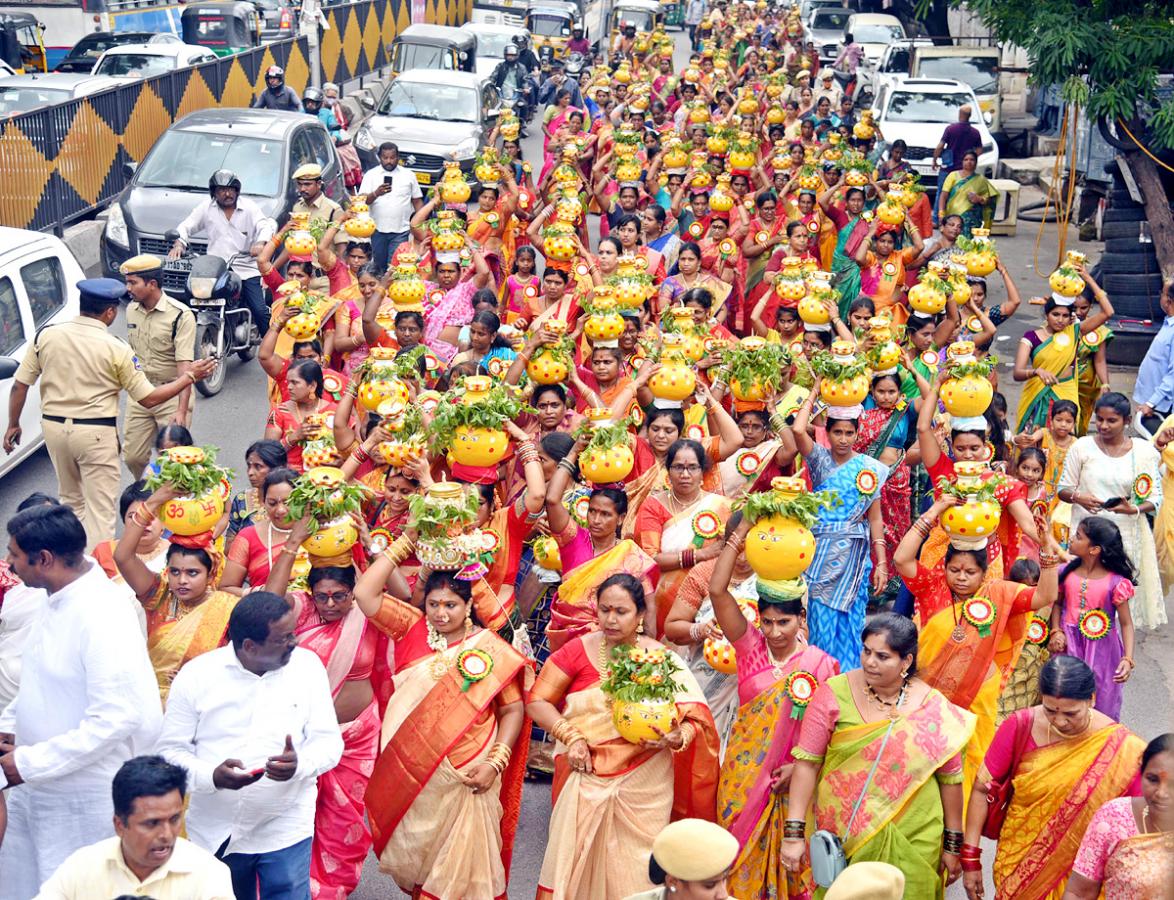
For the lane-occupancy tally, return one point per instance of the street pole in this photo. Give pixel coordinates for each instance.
(311, 18)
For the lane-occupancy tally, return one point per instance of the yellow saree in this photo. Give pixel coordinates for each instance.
(1056, 790)
(175, 635)
(1057, 354)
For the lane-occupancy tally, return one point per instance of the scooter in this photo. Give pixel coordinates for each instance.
(224, 323)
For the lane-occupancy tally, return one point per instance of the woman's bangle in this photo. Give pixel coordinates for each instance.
(880, 541)
(361, 455)
(399, 550)
(286, 548)
(794, 830)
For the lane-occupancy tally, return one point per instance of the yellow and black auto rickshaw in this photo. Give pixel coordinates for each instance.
(224, 28)
(22, 43)
(549, 23)
(642, 15)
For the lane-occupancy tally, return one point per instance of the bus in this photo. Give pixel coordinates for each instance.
(67, 21)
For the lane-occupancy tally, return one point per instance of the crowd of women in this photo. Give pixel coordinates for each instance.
(906, 694)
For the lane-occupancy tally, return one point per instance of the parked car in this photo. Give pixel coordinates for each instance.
(433, 47)
(146, 60)
(20, 93)
(83, 55)
(262, 147)
(491, 43)
(895, 62)
(38, 278)
(808, 7)
(874, 32)
(826, 31)
(431, 116)
(279, 19)
(917, 111)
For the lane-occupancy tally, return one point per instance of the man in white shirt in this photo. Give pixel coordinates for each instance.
(254, 725)
(88, 701)
(232, 225)
(146, 857)
(393, 194)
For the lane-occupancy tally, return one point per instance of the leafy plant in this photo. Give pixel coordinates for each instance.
(640, 675)
(563, 348)
(191, 470)
(980, 367)
(803, 508)
(764, 365)
(323, 501)
(501, 403)
(433, 519)
(407, 365)
(985, 491)
(825, 365)
(607, 436)
(970, 245)
(850, 162)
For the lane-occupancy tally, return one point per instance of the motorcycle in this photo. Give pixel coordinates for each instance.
(224, 323)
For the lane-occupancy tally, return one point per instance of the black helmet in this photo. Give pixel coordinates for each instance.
(521, 40)
(223, 178)
(275, 72)
(313, 95)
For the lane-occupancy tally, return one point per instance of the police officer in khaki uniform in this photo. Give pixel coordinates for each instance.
(162, 333)
(313, 202)
(82, 368)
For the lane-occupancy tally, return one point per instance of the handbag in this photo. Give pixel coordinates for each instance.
(999, 790)
(828, 859)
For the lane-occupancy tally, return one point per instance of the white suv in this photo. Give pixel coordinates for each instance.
(917, 111)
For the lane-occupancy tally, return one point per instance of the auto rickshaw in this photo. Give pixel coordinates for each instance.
(550, 23)
(674, 14)
(434, 47)
(224, 28)
(22, 43)
(643, 15)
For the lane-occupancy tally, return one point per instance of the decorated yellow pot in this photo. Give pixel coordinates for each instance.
(300, 244)
(810, 179)
(644, 721)
(855, 177)
(790, 284)
(981, 259)
(546, 554)
(675, 380)
(333, 539)
(747, 105)
(780, 548)
(675, 157)
(606, 466)
(812, 311)
(398, 454)
(927, 297)
(407, 288)
(844, 393)
(362, 226)
(303, 326)
(453, 187)
(603, 328)
(970, 525)
(1066, 280)
(891, 212)
(743, 156)
(190, 515)
(559, 243)
(479, 446)
(547, 366)
(722, 200)
(717, 145)
(628, 170)
(965, 395)
(719, 652)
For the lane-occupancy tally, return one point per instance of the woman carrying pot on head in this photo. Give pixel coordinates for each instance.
(291, 423)
(777, 674)
(972, 628)
(1048, 770)
(186, 614)
(432, 803)
(848, 537)
(1046, 358)
(357, 659)
(860, 727)
(1110, 474)
(1128, 848)
(612, 797)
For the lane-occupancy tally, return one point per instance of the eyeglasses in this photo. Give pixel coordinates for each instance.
(338, 598)
(685, 470)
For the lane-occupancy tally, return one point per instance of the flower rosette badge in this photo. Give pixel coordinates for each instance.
(380, 540)
(1143, 486)
(1094, 624)
(706, 526)
(1037, 630)
(800, 687)
(866, 482)
(747, 463)
(473, 665)
(979, 612)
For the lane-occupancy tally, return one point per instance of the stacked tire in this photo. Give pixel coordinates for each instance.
(1129, 273)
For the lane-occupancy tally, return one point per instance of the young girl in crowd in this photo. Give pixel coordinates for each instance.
(1029, 469)
(520, 309)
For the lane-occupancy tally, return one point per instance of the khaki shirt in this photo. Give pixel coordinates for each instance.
(82, 369)
(322, 208)
(161, 337)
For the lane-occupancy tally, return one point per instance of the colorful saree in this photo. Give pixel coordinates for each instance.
(900, 821)
(1056, 789)
(175, 635)
(1089, 386)
(970, 672)
(1128, 864)
(659, 530)
(844, 266)
(957, 186)
(743, 472)
(764, 733)
(1057, 354)
(432, 834)
(879, 429)
(350, 650)
(1164, 519)
(602, 824)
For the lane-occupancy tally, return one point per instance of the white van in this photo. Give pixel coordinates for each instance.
(38, 287)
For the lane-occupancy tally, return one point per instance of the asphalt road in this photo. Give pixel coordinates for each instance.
(236, 417)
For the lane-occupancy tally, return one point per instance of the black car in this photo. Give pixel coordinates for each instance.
(82, 57)
(261, 146)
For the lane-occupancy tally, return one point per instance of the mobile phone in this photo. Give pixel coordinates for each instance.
(1112, 501)
(387, 179)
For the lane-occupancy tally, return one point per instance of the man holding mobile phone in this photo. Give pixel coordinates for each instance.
(393, 194)
(262, 710)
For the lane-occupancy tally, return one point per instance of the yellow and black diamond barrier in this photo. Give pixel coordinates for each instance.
(66, 160)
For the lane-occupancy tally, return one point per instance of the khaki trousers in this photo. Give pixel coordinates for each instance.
(85, 458)
(140, 427)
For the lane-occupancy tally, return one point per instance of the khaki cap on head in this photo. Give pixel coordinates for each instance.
(868, 881)
(694, 849)
(144, 262)
(309, 170)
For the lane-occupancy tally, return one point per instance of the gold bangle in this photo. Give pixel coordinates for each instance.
(399, 550)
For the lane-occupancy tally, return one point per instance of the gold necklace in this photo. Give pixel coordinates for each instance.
(890, 705)
(1060, 736)
(443, 656)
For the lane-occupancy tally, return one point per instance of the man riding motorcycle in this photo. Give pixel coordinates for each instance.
(512, 79)
(277, 94)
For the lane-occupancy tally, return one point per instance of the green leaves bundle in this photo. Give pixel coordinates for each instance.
(433, 519)
(803, 508)
(639, 675)
(986, 491)
(765, 365)
(825, 365)
(197, 477)
(501, 403)
(323, 502)
(980, 367)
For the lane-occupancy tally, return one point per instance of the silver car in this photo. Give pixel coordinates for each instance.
(432, 116)
(20, 93)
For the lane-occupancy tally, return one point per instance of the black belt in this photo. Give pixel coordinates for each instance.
(112, 421)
